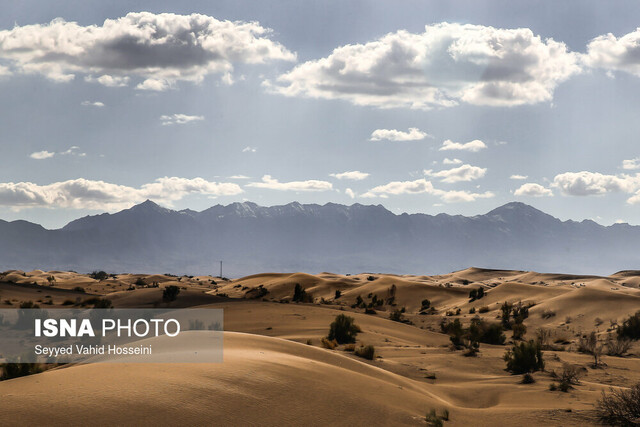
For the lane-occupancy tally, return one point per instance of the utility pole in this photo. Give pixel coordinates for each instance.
(221, 269)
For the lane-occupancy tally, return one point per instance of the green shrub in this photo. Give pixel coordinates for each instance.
(524, 357)
(140, 282)
(434, 420)
(630, 327)
(300, 295)
(425, 304)
(396, 316)
(99, 275)
(338, 294)
(343, 329)
(483, 309)
(485, 332)
(366, 352)
(528, 379)
(519, 330)
(15, 370)
(170, 293)
(79, 289)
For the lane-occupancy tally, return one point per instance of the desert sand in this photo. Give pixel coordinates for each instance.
(277, 372)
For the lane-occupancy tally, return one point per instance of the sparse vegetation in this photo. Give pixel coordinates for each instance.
(476, 294)
(170, 293)
(591, 345)
(396, 315)
(618, 346)
(630, 327)
(620, 407)
(434, 420)
(300, 295)
(365, 351)
(524, 357)
(343, 330)
(547, 314)
(483, 309)
(527, 379)
(79, 289)
(329, 344)
(99, 275)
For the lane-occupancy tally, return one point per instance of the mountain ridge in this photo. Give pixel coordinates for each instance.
(310, 237)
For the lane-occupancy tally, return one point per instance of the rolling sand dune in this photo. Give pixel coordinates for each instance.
(276, 372)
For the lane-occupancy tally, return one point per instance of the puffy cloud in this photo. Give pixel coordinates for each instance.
(615, 54)
(87, 194)
(592, 183)
(631, 164)
(441, 67)
(533, 190)
(413, 134)
(160, 49)
(422, 186)
(451, 161)
(473, 146)
(41, 155)
(179, 119)
(273, 184)
(92, 104)
(353, 175)
(349, 192)
(461, 173)
(518, 177)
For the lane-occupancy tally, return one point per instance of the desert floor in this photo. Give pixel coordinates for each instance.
(276, 370)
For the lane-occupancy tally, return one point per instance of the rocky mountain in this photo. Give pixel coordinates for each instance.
(313, 238)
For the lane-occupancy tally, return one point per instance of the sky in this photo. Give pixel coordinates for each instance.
(421, 106)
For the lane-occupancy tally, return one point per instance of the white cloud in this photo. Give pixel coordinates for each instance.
(160, 49)
(631, 164)
(87, 194)
(349, 192)
(459, 174)
(353, 175)
(441, 67)
(592, 183)
(249, 150)
(473, 146)
(239, 177)
(615, 54)
(422, 186)
(179, 119)
(451, 161)
(41, 155)
(108, 81)
(533, 190)
(413, 134)
(5, 71)
(92, 104)
(518, 177)
(273, 184)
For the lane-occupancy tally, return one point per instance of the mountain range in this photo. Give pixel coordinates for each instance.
(312, 238)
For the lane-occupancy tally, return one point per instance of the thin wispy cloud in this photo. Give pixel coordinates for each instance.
(71, 151)
(422, 186)
(413, 134)
(179, 119)
(473, 146)
(518, 177)
(92, 104)
(351, 175)
(249, 150)
(271, 183)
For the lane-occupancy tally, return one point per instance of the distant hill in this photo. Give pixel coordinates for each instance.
(313, 238)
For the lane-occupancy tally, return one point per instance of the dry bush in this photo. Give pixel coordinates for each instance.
(546, 314)
(618, 346)
(620, 407)
(329, 344)
(589, 344)
(350, 347)
(366, 352)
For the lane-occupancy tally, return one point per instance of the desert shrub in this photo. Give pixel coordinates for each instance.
(527, 379)
(476, 294)
(630, 327)
(68, 302)
(524, 357)
(472, 310)
(519, 313)
(519, 329)
(506, 315)
(350, 347)
(543, 336)
(365, 351)
(547, 314)
(434, 420)
(79, 289)
(140, 282)
(300, 295)
(15, 370)
(570, 375)
(101, 303)
(338, 294)
(99, 275)
(396, 316)
(170, 293)
(343, 329)
(330, 344)
(485, 332)
(618, 346)
(371, 278)
(483, 309)
(553, 387)
(620, 407)
(589, 344)
(369, 311)
(426, 304)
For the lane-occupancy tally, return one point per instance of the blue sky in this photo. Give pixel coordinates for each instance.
(453, 107)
